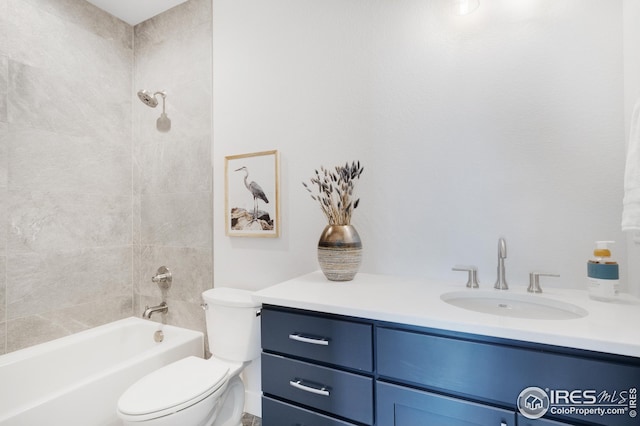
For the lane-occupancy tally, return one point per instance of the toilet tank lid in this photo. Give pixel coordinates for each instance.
(227, 296)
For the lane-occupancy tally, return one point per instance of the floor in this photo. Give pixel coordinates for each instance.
(249, 420)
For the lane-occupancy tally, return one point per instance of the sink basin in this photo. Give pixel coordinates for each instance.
(514, 305)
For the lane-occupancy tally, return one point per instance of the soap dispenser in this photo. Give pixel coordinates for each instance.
(602, 273)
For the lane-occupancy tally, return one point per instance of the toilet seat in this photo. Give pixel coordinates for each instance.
(172, 388)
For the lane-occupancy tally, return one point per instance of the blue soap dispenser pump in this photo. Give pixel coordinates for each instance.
(602, 273)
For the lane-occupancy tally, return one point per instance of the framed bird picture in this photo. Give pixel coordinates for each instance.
(252, 199)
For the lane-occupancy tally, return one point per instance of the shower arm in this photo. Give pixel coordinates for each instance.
(164, 95)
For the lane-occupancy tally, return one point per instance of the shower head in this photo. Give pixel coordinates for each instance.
(163, 124)
(148, 98)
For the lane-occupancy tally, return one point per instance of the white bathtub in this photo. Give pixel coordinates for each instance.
(77, 380)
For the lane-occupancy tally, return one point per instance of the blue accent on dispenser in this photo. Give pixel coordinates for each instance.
(603, 271)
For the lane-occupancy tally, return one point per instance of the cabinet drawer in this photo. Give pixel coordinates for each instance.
(278, 413)
(333, 391)
(338, 342)
(400, 406)
(494, 373)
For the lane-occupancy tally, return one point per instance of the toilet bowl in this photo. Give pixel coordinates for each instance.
(198, 392)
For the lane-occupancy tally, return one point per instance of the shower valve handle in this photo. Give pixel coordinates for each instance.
(163, 277)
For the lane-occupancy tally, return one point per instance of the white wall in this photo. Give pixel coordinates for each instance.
(506, 122)
(631, 42)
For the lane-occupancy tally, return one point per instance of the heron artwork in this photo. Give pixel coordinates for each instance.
(256, 192)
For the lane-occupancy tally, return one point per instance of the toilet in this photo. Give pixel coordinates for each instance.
(198, 392)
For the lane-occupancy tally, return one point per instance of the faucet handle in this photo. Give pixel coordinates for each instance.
(472, 280)
(163, 277)
(534, 281)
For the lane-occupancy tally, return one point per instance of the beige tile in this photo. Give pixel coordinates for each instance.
(171, 165)
(3, 290)
(4, 87)
(37, 37)
(4, 150)
(3, 338)
(45, 99)
(43, 222)
(173, 170)
(43, 160)
(181, 314)
(31, 330)
(71, 212)
(182, 220)
(178, 161)
(250, 420)
(95, 313)
(4, 220)
(38, 283)
(173, 23)
(191, 45)
(191, 270)
(4, 18)
(88, 17)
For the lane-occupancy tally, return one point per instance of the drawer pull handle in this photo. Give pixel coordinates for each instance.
(313, 340)
(297, 383)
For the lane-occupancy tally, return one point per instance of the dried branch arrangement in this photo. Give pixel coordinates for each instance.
(335, 192)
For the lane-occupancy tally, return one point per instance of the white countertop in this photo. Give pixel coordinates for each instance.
(609, 327)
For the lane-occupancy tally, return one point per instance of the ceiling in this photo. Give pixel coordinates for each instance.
(135, 11)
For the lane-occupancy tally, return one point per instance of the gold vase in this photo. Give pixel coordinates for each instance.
(339, 252)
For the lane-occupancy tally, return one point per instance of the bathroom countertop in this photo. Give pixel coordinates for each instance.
(609, 327)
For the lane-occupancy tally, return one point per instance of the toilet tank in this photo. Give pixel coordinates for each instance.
(233, 324)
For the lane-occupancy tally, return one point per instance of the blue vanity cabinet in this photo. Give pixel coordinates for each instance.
(280, 413)
(316, 370)
(329, 370)
(523, 421)
(492, 372)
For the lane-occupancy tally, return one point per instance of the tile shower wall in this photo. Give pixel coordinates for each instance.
(65, 170)
(172, 172)
(92, 198)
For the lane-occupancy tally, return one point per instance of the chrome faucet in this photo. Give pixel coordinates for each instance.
(501, 281)
(163, 307)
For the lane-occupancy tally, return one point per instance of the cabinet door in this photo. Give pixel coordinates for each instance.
(400, 406)
(278, 413)
(523, 421)
(473, 369)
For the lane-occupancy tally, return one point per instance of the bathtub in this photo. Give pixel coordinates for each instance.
(77, 380)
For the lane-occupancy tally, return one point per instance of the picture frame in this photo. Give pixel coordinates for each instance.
(252, 195)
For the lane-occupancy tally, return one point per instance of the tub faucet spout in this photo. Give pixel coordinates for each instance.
(163, 307)
(501, 281)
